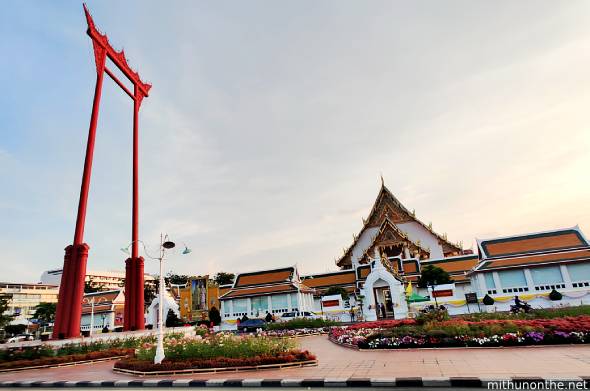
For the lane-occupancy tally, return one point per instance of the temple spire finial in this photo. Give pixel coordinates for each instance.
(382, 181)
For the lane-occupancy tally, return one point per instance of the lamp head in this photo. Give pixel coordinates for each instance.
(186, 250)
(168, 245)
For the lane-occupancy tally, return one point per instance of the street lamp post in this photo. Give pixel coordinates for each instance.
(165, 244)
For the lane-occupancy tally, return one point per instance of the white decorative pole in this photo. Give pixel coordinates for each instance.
(160, 347)
(92, 316)
(165, 244)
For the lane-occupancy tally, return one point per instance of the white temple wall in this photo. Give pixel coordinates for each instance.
(363, 244)
(416, 231)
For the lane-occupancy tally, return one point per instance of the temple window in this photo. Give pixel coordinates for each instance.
(513, 281)
(547, 278)
(579, 274)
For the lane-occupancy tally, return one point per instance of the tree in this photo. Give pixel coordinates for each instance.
(15, 329)
(337, 290)
(215, 316)
(172, 320)
(91, 287)
(4, 319)
(223, 278)
(433, 275)
(176, 279)
(45, 312)
(149, 292)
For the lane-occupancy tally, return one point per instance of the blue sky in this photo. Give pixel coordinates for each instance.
(269, 123)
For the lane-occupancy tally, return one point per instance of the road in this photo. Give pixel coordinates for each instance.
(336, 362)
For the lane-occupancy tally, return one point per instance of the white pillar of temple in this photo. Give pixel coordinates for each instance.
(529, 279)
(567, 280)
(497, 281)
(407, 253)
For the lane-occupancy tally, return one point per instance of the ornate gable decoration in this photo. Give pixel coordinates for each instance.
(102, 46)
(390, 236)
(389, 208)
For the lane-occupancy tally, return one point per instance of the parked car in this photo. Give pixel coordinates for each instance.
(252, 325)
(287, 316)
(21, 338)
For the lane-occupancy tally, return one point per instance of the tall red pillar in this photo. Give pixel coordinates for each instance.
(134, 285)
(71, 289)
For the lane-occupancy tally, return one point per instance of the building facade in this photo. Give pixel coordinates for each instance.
(533, 265)
(105, 280)
(388, 255)
(24, 298)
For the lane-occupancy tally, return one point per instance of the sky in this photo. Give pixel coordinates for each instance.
(269, 125)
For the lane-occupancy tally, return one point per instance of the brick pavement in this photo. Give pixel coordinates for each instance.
(339, 362)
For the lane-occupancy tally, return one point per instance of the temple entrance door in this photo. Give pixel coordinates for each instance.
(383, 295)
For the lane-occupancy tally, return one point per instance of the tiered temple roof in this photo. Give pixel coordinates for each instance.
(557, 246)
(385, 227)
(321, 282)
(264, 282)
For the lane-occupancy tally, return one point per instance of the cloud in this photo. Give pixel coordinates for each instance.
(268, 125)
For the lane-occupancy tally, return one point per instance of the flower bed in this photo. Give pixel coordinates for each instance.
(457, 333)
(291, 356)
(60, 360)
(296, 332)
(42, 355)
(219, 350)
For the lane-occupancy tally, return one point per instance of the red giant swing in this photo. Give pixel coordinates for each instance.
(71, 290)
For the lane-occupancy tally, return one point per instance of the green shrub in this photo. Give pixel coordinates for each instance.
(555, 296)
(218, 345)
(437, 333)
(301, 323)
(436, 315)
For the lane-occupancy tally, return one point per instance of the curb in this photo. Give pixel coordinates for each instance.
(405, 382)
(297, 364)
(59, 365)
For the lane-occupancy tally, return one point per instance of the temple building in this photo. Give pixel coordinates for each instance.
(102, 309)
(256, 293)
(533, 265)
(390, 251)
(386, 259)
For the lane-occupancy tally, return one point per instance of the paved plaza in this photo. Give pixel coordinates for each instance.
(341, 363)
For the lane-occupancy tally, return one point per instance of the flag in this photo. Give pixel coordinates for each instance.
(409, 289)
